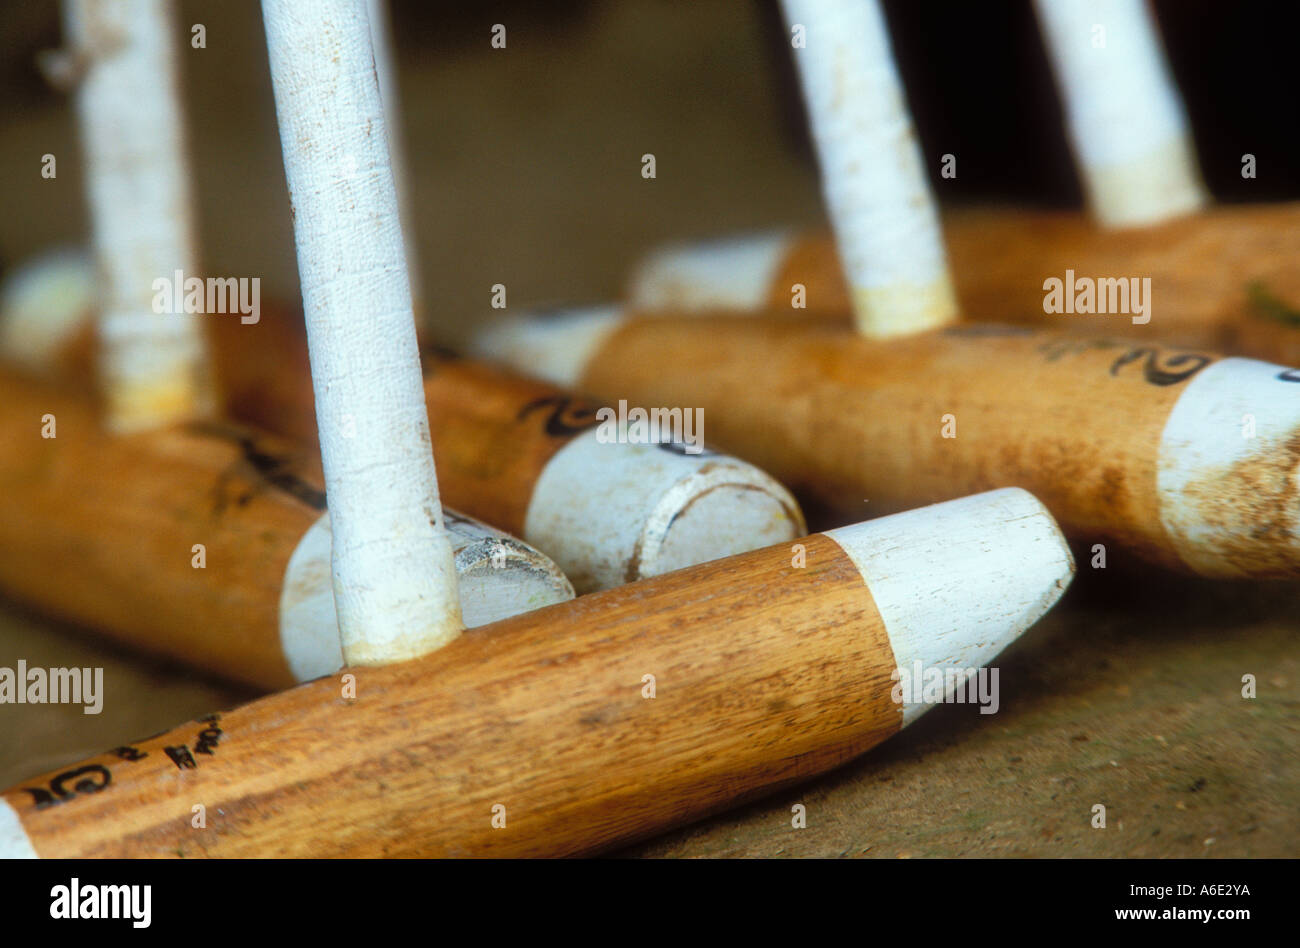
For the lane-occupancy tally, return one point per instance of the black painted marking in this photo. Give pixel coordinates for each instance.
(1154, 373)
(94, 778)
(1157, 364)
(180, 756)
(208, 740)
(274, 469)
(568, 416)
(679, 448)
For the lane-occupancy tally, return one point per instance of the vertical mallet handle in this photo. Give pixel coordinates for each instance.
(879, 201)
(1127, 126)
(394, 578)
(137, 183)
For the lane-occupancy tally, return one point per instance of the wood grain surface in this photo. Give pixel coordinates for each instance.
(1127, 694)
(493, 430)
(764, 674)
(100, 529)
(843, 419)
(1222, 279)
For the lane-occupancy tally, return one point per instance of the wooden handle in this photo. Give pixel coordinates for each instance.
(585, 724)
(106, 531)
(1223, 279)
(1176, 455)
(543, 715)
(494, 430)
(102, 529)
(528, 457)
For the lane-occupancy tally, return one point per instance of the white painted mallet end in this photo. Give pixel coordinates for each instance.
(498, 577)
(1229, 470)
(958, 582)
(46, 301)
(614, 513)
(726, 273)
(14, 842)
(550, 344)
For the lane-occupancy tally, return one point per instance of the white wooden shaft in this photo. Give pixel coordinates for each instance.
(394, 578)
(883, 214)
(153, 365)
(381, 37)
(1126, 122)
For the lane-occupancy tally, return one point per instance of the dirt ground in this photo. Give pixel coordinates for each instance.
(526, 170)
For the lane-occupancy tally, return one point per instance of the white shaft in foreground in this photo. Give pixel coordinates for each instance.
(381, 38)
(394, 576)
(877, 195)
(1127, 126)
(153, 364)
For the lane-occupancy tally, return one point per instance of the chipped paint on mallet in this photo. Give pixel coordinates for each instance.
(873, 178)
(498, 577)
(394, 573)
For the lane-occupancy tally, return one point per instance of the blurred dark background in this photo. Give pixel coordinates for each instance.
(525, 161)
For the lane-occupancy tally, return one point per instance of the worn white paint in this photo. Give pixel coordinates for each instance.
(554, 345)
(729, 273)
(394, 575)
(153, 365)
(1230, 503)
(612, 513)
(957, 582)
(1126, 122)
(14, 842)
(498, 577)
(44, 303)
(381, 40)
(881, 209)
